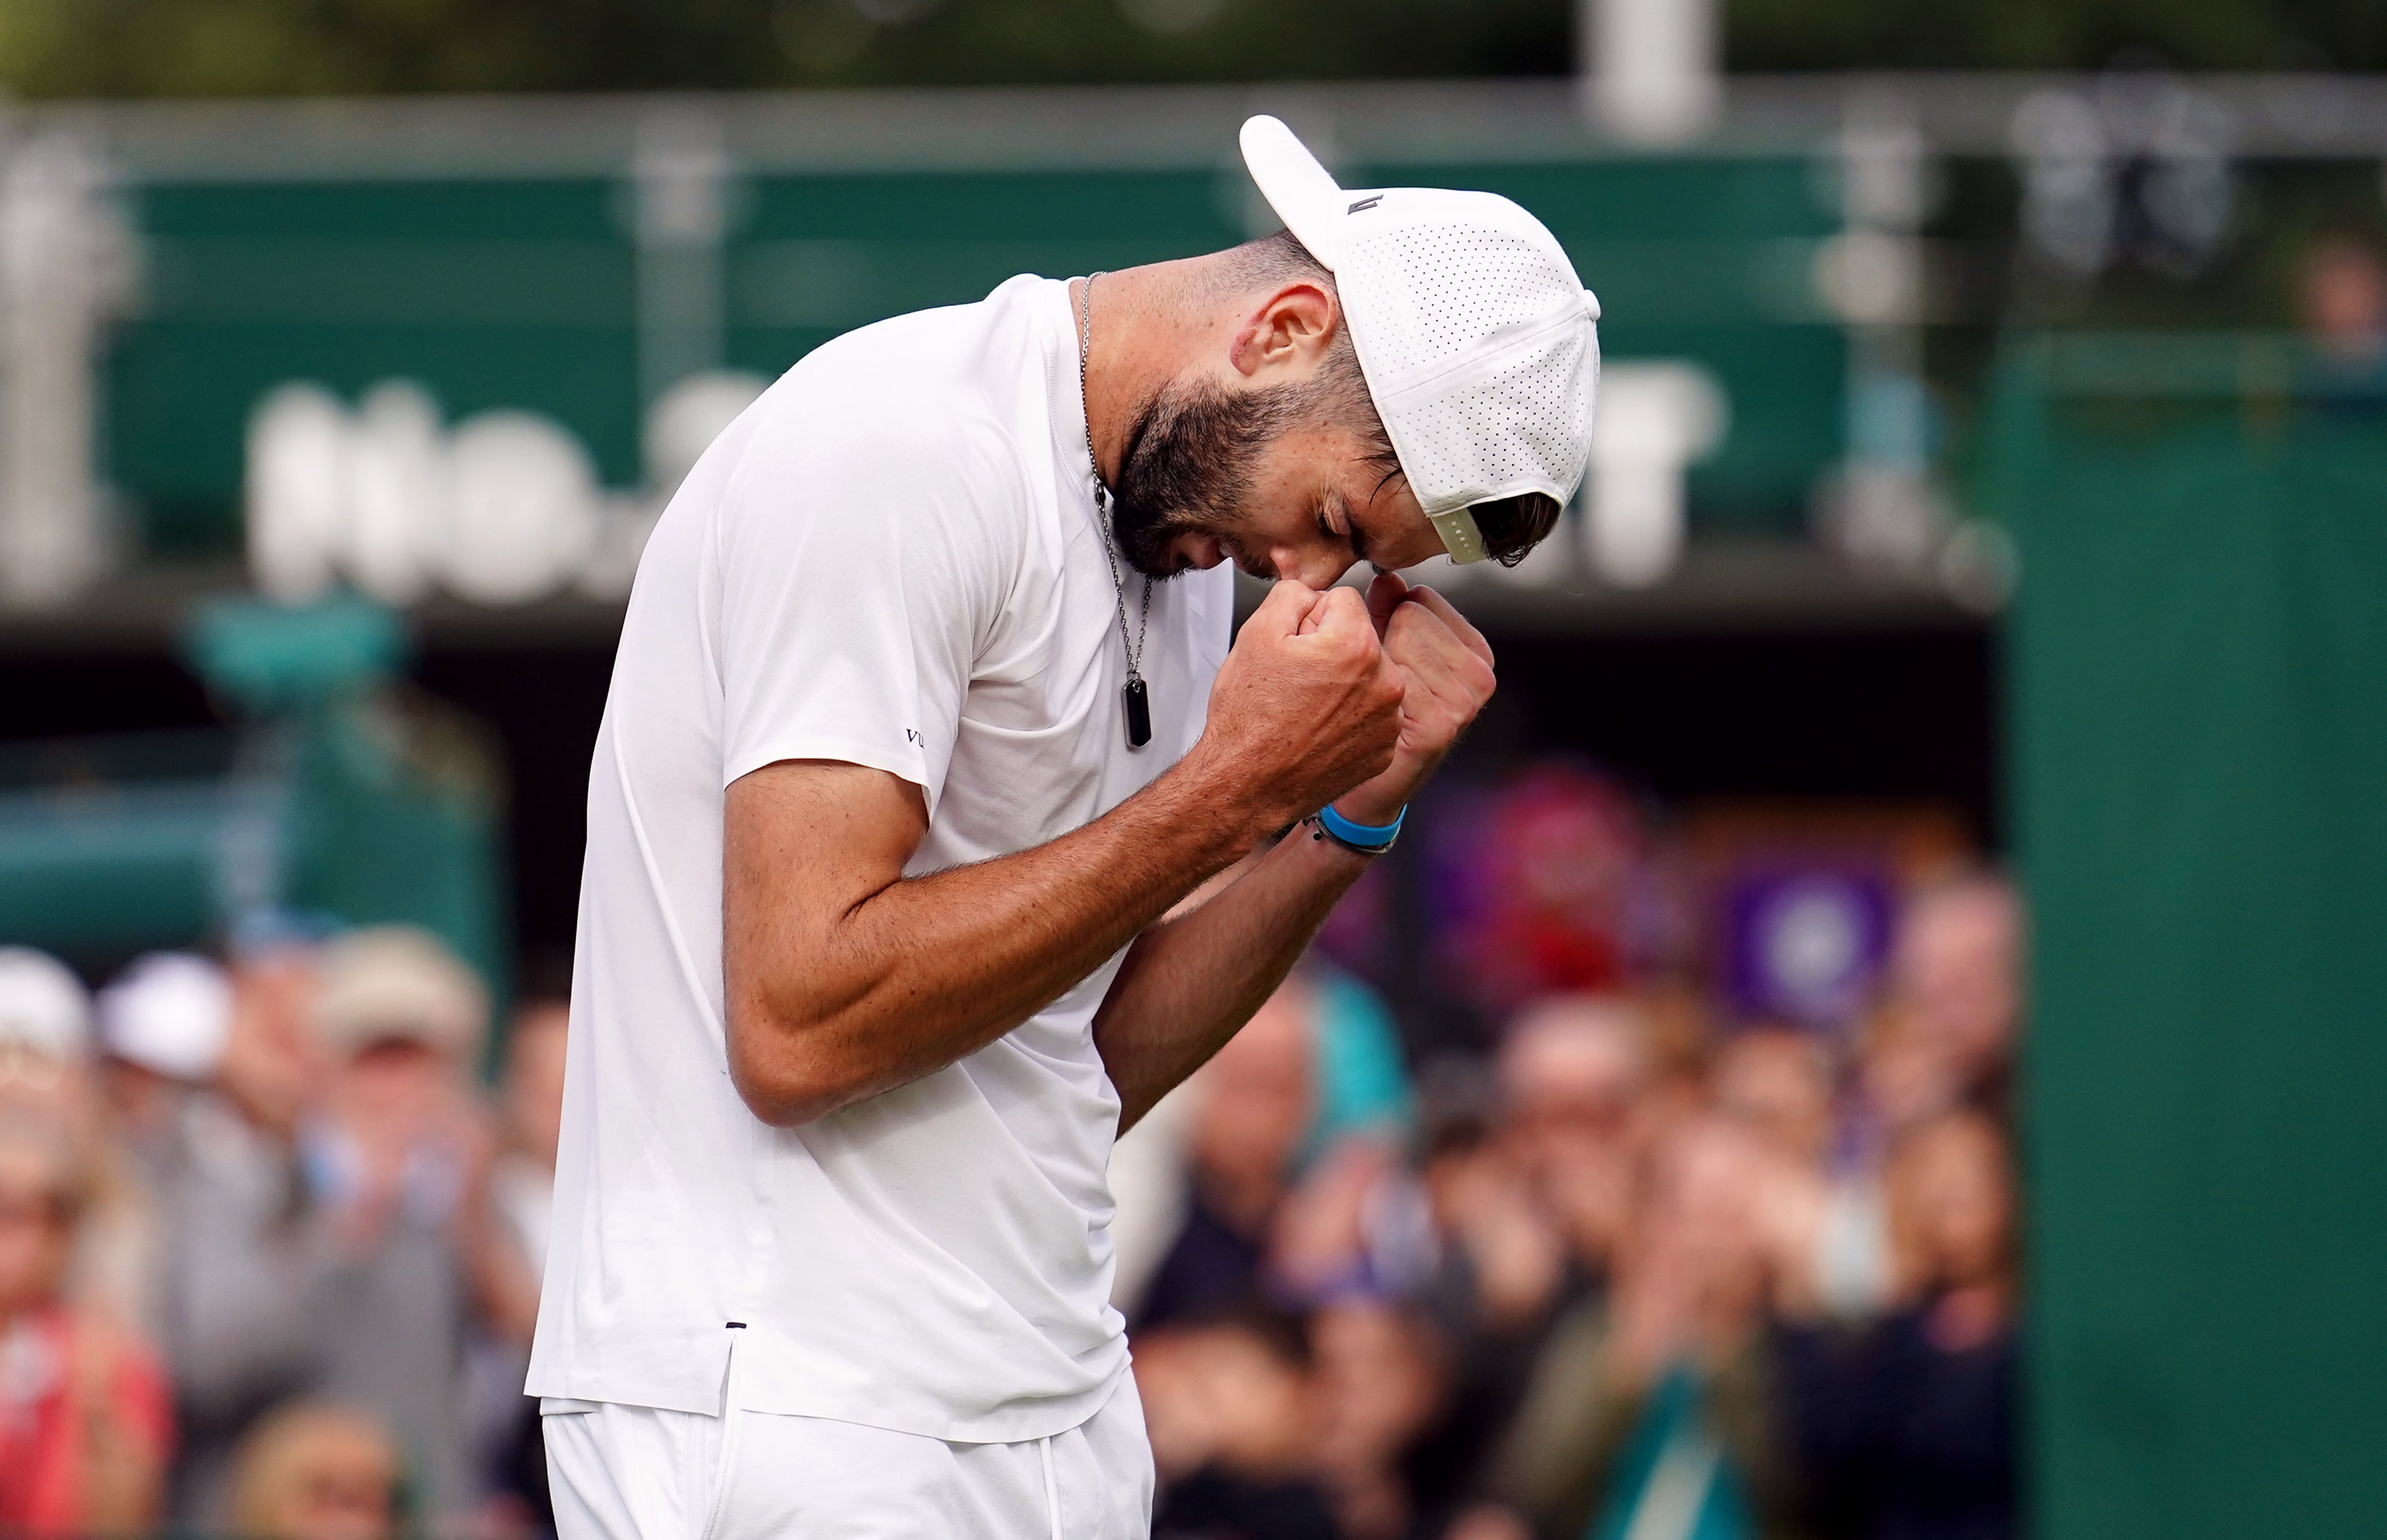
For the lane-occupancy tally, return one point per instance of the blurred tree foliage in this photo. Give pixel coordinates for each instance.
(144, 47)
(2057, 34)
(211, 47)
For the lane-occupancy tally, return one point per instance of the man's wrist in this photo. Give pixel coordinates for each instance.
(1369, 810)
(1216, 785)
(1369, 839)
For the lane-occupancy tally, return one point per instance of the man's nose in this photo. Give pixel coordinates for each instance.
(1317, 569)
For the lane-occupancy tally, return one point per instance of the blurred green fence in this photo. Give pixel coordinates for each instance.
(2200, 670)
(524, 291)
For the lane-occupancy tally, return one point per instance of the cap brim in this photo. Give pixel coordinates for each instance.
(1303, 195)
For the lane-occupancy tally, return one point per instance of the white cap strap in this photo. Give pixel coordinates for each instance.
(1459, 536)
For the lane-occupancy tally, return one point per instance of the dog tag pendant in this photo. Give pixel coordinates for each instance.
(1139, 712)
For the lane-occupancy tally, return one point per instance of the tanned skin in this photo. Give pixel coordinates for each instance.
(846, 978)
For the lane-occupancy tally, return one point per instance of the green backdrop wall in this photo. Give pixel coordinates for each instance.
(2199, 667)
(523, 292)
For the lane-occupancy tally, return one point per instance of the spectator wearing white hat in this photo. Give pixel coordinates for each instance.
(161, 1026)
(223, 1062)
(45, 1035)
(163, 1023)
(47, 1072)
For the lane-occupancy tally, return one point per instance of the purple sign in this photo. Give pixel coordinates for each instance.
(1805, 944)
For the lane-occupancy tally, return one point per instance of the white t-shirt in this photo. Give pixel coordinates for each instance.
(890, 560)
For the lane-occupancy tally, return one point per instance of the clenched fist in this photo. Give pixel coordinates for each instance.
(1445, 668)
(1308, 705)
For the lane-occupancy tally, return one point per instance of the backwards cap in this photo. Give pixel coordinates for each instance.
(1475, 336)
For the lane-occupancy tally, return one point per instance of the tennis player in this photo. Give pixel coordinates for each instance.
(924, 727)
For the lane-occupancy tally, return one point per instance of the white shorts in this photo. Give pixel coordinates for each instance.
(621, 1473)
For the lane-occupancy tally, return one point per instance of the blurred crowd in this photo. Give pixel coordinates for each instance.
(1636, 1271)
(1638, 1267)
(268, 1245)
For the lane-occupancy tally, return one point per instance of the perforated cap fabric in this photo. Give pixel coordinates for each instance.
(1479, 342)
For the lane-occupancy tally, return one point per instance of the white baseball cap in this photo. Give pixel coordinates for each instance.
(42, 1004)
(169, 1013)
(1477, 339)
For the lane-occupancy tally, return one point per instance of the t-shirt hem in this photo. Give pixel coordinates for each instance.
(612, 1390)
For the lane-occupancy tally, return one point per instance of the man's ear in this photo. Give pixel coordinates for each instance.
(1286, 334)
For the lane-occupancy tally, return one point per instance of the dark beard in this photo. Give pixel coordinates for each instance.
(1188, 464)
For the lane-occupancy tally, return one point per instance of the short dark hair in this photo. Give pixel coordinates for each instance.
(1512, 526)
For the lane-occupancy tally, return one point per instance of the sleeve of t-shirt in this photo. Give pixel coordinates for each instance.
(861, 564)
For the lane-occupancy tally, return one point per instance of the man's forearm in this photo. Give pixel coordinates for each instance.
(845, 979)
(926, 969)
(1188, 984)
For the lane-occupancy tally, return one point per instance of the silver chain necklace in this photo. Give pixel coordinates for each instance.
(1137, 699)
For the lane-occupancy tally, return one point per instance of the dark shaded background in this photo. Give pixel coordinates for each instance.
(1900, 715)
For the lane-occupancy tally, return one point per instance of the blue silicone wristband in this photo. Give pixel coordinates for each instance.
(1365, 836)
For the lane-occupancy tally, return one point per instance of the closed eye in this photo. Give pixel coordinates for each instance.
(1352, 531)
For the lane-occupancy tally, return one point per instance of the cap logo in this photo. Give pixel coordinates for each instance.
(1365, 204)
